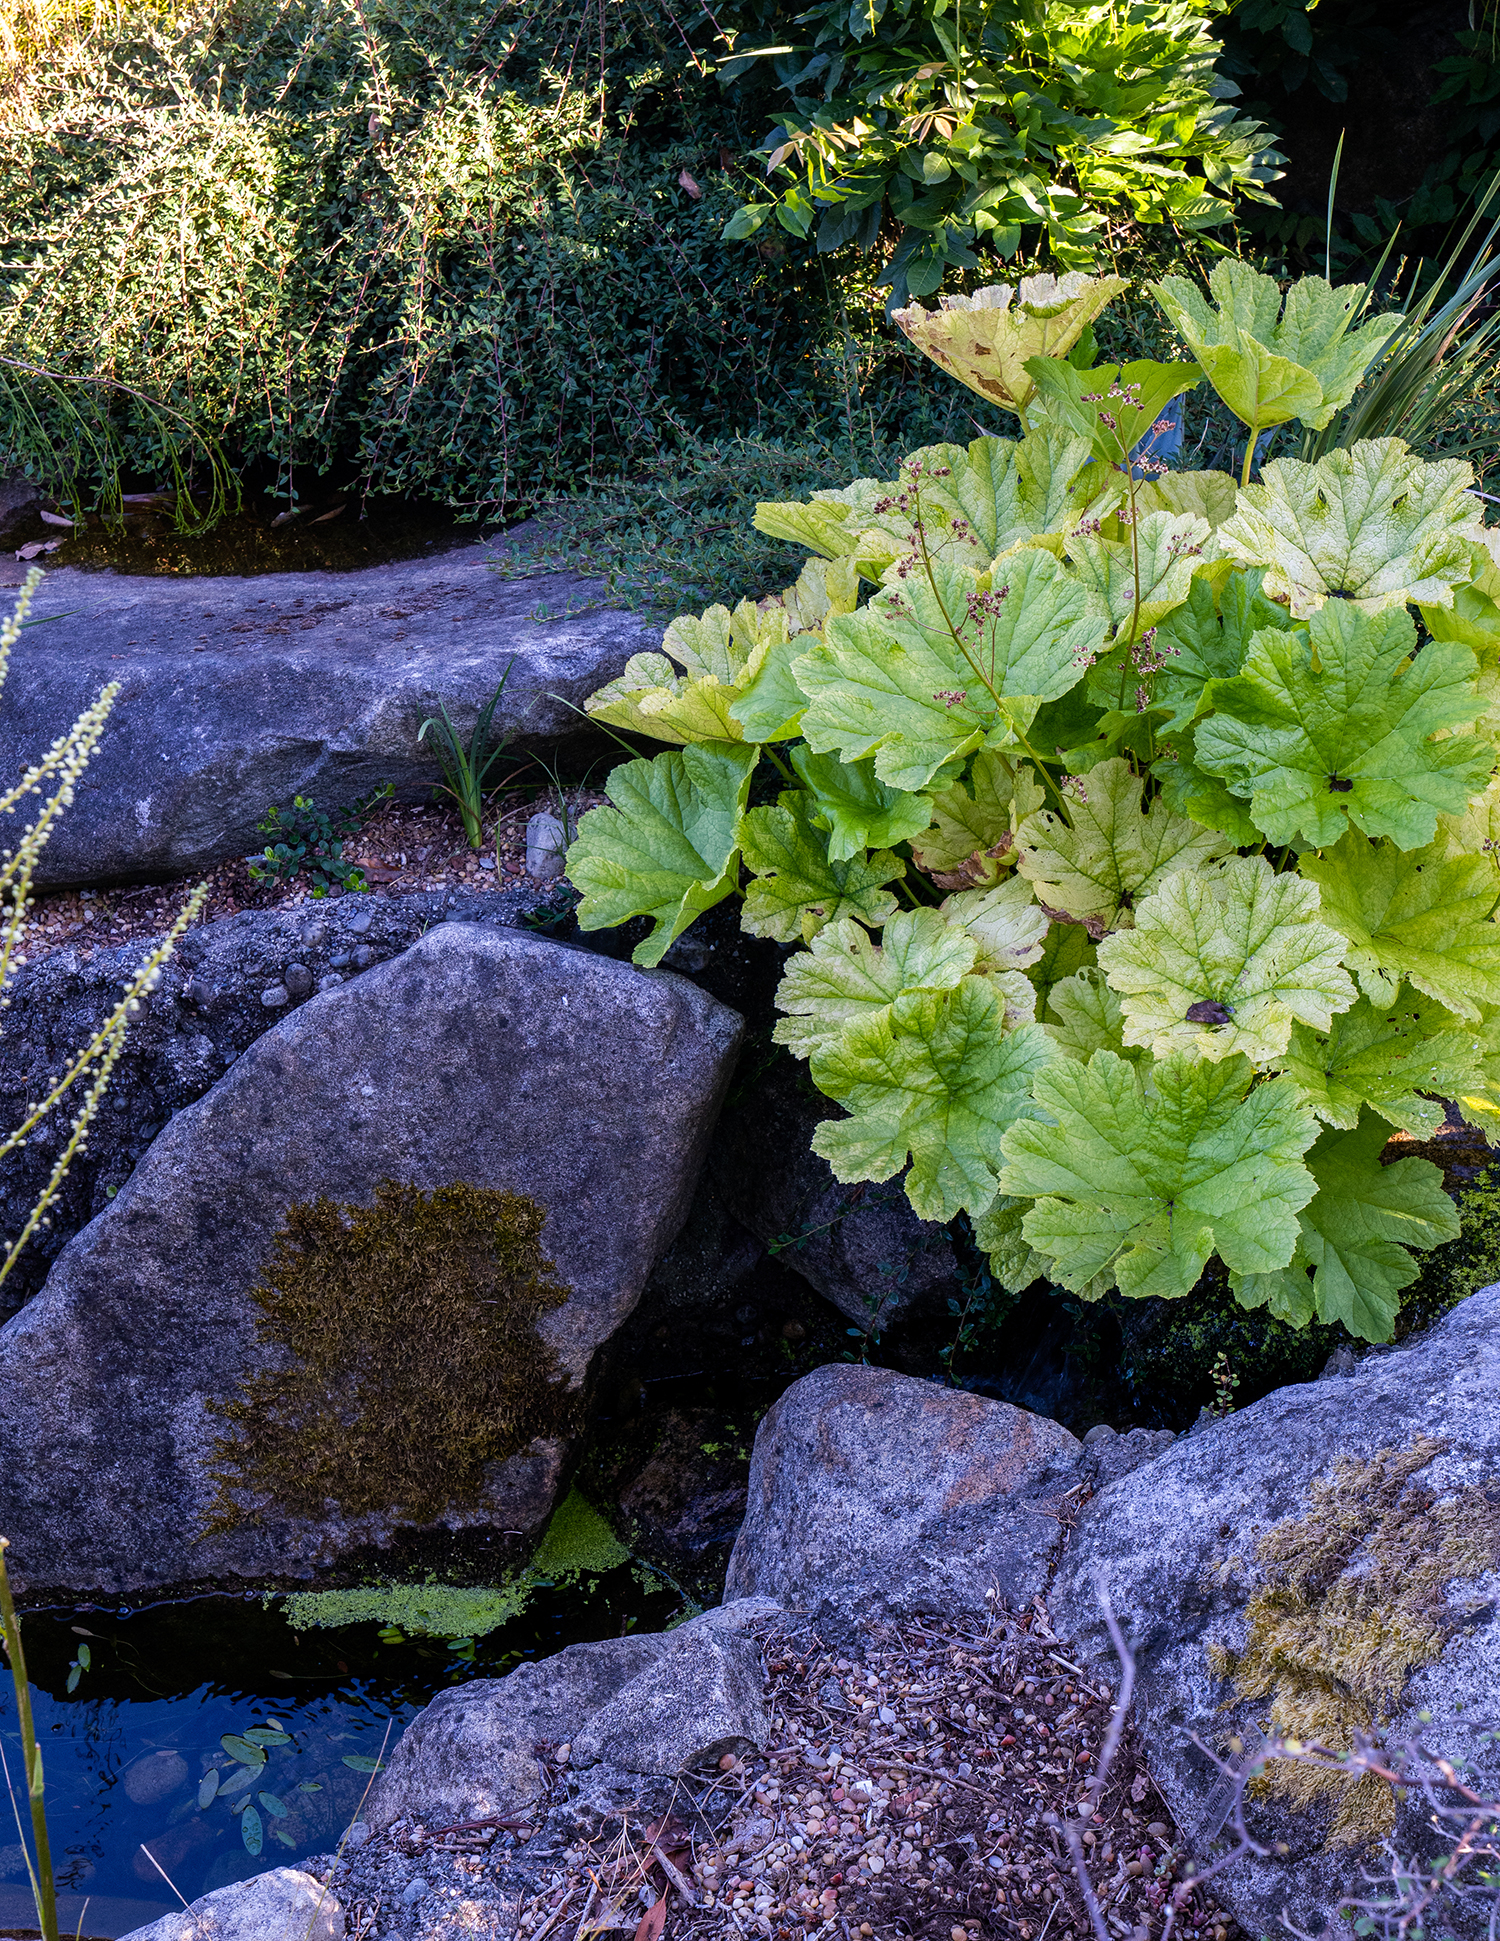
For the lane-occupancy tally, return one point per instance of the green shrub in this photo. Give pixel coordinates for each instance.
(1002, 120)
(457, 251)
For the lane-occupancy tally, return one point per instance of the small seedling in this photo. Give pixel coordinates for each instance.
(310, 840)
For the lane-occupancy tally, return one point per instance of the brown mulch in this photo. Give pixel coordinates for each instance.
(914, 1785)
(403, 846)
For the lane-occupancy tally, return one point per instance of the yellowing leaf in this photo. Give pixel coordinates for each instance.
(720, 653)
(972, 504)
(1148, 1179)
(668, 846)
(972, 835)
(1113, 854)
(1343, 726)
(1419, 914)
(846, 976)
(1169, 548)
(1084, 1016)
(1224, 960)
(1373, 524)
(1211, 495)
(798, 887)
(937, 1079)
(985, 340)
(1004, 922)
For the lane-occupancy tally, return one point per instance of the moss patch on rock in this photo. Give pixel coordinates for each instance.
(1353, 1601)
(405, 1358)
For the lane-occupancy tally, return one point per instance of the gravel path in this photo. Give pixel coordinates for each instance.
(914, 1786)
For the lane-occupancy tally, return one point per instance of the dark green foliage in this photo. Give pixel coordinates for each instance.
(407, 1356)
(305, 838)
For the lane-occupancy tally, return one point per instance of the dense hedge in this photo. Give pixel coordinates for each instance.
(456, 250)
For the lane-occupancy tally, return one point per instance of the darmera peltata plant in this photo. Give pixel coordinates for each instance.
(1134, 831)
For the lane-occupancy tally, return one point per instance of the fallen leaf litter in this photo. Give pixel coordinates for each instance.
(914, 1785)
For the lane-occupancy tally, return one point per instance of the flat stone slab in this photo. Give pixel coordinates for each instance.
(478, 1055)
(239, 693)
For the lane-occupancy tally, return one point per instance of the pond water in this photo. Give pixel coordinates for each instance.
(154, 1751)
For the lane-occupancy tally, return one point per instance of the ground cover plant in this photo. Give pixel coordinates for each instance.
(1134, 832)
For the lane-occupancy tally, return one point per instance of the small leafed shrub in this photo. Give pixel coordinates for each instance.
(1141, 848)
(405, 1356)
(309, 840)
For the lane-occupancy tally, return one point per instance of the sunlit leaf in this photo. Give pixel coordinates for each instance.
(936, 1079)
(1385, 1057)
(985, 339)
(1373, 524)
(1207, 638)
(1148, 1179)
(858, 809)
(971, 840)
(929, 673)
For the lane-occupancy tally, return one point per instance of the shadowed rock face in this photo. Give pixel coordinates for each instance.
(477, 1055)
(239, 693)
(929, 1496)
(1367, 1506)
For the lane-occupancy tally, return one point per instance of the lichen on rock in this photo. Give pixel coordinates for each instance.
(1354, 1600)
(406, 1356)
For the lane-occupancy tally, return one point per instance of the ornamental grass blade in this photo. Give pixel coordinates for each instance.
(846, 976)
(798, 888)
(1148, 1179)
(929, 673)
(1418, 914)
(1099, 864)
(1342, 725)
(1375, 525)
(935, 1080)
(1224, 961)
(667, 847)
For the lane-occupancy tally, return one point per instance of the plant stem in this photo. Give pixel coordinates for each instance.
(1249, 455)
(43, 1888)
(779, 765)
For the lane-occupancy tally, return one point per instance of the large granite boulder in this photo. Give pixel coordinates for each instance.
(649, 1705)
(225, 986)
(238, 693)
(921, 1497)
(478, 1055)
(1325, 1560)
